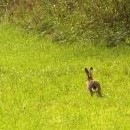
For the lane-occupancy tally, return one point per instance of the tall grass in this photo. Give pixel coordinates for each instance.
(42, 84)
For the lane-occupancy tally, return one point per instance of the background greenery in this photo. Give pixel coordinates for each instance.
(72, 20)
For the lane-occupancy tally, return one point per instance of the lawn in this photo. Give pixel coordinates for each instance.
(43, 84)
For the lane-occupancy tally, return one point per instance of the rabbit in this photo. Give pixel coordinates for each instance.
(93, 85)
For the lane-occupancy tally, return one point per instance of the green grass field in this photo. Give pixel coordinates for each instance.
(43, 84)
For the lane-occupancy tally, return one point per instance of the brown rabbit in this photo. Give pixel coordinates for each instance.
(93, 85)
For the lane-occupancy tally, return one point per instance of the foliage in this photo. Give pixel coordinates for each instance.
(72, 20)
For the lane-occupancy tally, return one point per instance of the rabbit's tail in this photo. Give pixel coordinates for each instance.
(94, 89)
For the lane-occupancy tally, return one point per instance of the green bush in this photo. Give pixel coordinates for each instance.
(72, 20)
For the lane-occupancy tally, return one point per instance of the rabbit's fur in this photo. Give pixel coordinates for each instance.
(93, 85)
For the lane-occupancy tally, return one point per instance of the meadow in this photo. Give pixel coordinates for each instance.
(43, 84)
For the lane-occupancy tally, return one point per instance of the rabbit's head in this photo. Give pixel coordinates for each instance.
(89, 73)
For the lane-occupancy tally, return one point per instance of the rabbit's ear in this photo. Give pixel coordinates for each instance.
(86, 70)
(91, 70)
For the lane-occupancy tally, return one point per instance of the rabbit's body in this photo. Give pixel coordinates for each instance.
(93, 85)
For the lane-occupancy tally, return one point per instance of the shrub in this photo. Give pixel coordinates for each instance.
(72, 20)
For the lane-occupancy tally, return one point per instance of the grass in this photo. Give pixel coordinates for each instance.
(42, 84)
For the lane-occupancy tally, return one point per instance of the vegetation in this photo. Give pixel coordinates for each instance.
(72, 20)
(43, 84)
